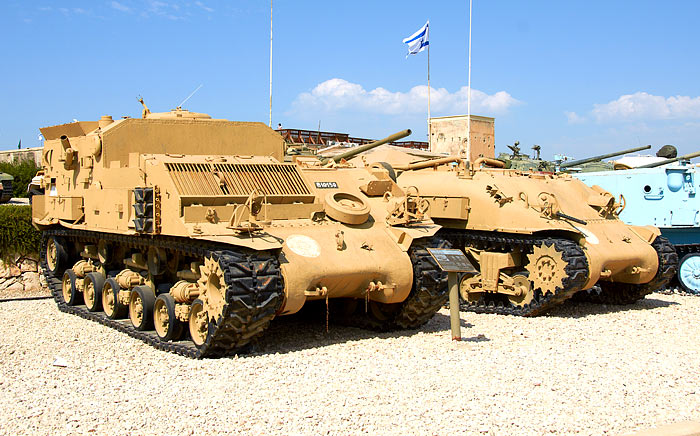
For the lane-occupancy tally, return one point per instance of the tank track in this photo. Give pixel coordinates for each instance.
(629, 293)
(7, 191)
(576, 269)
(255, 293)
(428, 294)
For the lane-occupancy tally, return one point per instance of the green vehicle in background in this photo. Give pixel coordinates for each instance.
(523, 162)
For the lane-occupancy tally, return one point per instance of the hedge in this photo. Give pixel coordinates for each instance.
(17, 235)
(23, 171)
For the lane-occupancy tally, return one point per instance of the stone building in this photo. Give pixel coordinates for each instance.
(22, 154)
(449, 134)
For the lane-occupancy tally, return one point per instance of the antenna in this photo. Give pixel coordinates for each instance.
(188, 97)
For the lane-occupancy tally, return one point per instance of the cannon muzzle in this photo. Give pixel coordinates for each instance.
(362, 148)
(668, 161)
(574, 163)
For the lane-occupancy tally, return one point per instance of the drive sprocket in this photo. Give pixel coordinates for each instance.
(212, 287)
(547, 268)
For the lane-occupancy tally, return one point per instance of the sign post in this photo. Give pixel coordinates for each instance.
(453, 262)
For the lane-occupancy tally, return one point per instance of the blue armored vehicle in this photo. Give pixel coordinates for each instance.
(663, 194)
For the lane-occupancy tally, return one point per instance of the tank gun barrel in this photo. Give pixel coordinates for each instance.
(427, 163)
(574, 163)
(362, 148)
(668, 161)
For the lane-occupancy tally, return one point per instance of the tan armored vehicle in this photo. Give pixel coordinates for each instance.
(194, 230)
(536, 239)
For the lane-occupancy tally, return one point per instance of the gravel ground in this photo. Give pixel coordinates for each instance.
(582, 369)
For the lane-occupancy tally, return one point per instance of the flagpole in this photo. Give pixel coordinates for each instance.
(469, 86)
(430, 142)
(270, 124)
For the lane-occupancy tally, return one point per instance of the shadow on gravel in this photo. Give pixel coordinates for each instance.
(577, 309)
(307, 330)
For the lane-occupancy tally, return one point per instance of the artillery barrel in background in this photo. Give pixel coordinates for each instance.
(573, 163)
(668, 161)
(362, 148)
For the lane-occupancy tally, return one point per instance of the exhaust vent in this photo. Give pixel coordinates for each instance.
(279, 182)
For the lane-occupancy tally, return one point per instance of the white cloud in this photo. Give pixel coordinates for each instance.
(120, 7)
(574, 118)
(339, 94)
(171, 9)
(203, 6)
(642, 105)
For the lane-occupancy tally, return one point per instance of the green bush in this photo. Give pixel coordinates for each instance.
(17, 235)
(23, 171)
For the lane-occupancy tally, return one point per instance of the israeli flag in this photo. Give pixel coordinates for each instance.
(418, 41)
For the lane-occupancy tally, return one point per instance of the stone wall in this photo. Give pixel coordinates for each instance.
(22, 154)
(21, 278)
(448, 135)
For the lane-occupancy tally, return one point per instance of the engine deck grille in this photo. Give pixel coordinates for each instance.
(276, 180)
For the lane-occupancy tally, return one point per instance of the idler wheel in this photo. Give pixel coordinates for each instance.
(71, 294)
(141, 308)
(198, 323)
(113, 308)
(56, 255)
(92, 291)
(347, 208)
(168, 327)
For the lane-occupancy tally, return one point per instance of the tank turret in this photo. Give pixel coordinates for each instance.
(523, 162)
(600, 157)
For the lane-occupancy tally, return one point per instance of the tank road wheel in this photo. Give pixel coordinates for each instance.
(629, 293)
(111, 305)
(198, 323)
(56, 255)
(92, 291)
(470, 298)
(526, 291)
(547, 268)
(168, 327)
(141, 307)
(689, 273)
(71, 294)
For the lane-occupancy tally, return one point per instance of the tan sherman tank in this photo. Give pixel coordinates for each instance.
(536, 239)
(194, 230)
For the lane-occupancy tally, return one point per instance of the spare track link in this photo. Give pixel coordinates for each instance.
(629, 293)
(576, 268)
(250, 305)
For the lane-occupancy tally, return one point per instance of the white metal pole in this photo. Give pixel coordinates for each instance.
(469, 87)
(427, 36)
(430, 142)
(270, 124)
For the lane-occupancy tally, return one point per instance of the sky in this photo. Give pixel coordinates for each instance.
(575, 77)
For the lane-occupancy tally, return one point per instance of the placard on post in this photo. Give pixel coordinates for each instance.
(453, 261)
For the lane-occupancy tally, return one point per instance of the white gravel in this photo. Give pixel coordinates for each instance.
(583, 369)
